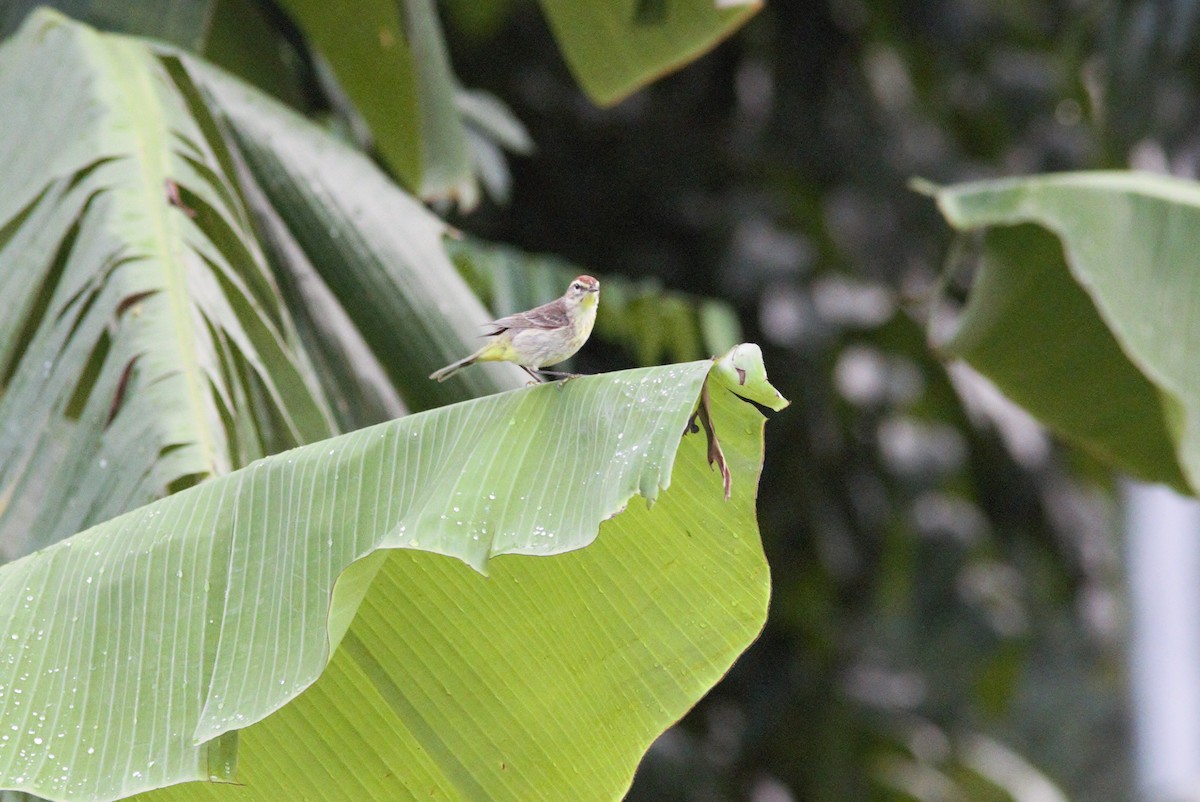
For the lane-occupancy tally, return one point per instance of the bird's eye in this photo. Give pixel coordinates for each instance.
(577, 285)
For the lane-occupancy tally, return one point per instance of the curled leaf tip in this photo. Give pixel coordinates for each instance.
(742, 371)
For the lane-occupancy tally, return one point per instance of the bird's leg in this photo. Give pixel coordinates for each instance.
(536, 378)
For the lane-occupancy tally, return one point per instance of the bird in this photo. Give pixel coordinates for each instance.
(545, 335)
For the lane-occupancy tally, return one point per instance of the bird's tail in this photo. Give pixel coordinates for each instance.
(454, 367)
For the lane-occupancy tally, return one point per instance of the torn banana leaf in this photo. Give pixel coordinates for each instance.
(144, 345)
(138, 643)
(377, 249)
(149, 349)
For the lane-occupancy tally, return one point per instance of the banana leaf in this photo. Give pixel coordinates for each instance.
(391, 60)
(1085, 310)
(138, 645)
(615, 47)
(295, 623)
(143, 329)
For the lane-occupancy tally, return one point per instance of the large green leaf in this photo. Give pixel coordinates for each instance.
(1085, 310)
(246, 39)
(143, 638)
(615, 47)
(132, 642)
(379, 250)
(143, 346)
(356, 384)
(391, 59)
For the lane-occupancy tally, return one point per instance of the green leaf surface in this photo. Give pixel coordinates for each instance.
(135, 652)
(615, 47)
(139, 640)
(492, 118)
(1085, 310)
(245, 40)
(391, 59)
(354, 381)
(378, 249)
(139, 327)
(446, 171)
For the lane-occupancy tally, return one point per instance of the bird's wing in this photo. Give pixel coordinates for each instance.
(547, 316)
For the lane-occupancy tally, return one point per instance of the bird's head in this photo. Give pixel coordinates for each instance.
(583, 289)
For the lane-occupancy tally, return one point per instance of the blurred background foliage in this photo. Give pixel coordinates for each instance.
(948, 619)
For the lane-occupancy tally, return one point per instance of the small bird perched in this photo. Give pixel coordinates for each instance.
(545, 335)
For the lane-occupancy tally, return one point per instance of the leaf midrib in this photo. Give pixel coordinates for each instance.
(150, 150)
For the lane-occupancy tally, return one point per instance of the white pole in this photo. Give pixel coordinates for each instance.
(1163, 546)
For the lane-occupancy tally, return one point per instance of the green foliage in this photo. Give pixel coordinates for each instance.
(204, 612)
(378, 250)
(182, 22)
(946, 581)
(390, 59)
(1097, 268)
(144, 331)
(615, 48)
(162, 216)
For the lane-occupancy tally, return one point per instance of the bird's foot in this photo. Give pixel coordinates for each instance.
(560, 375)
